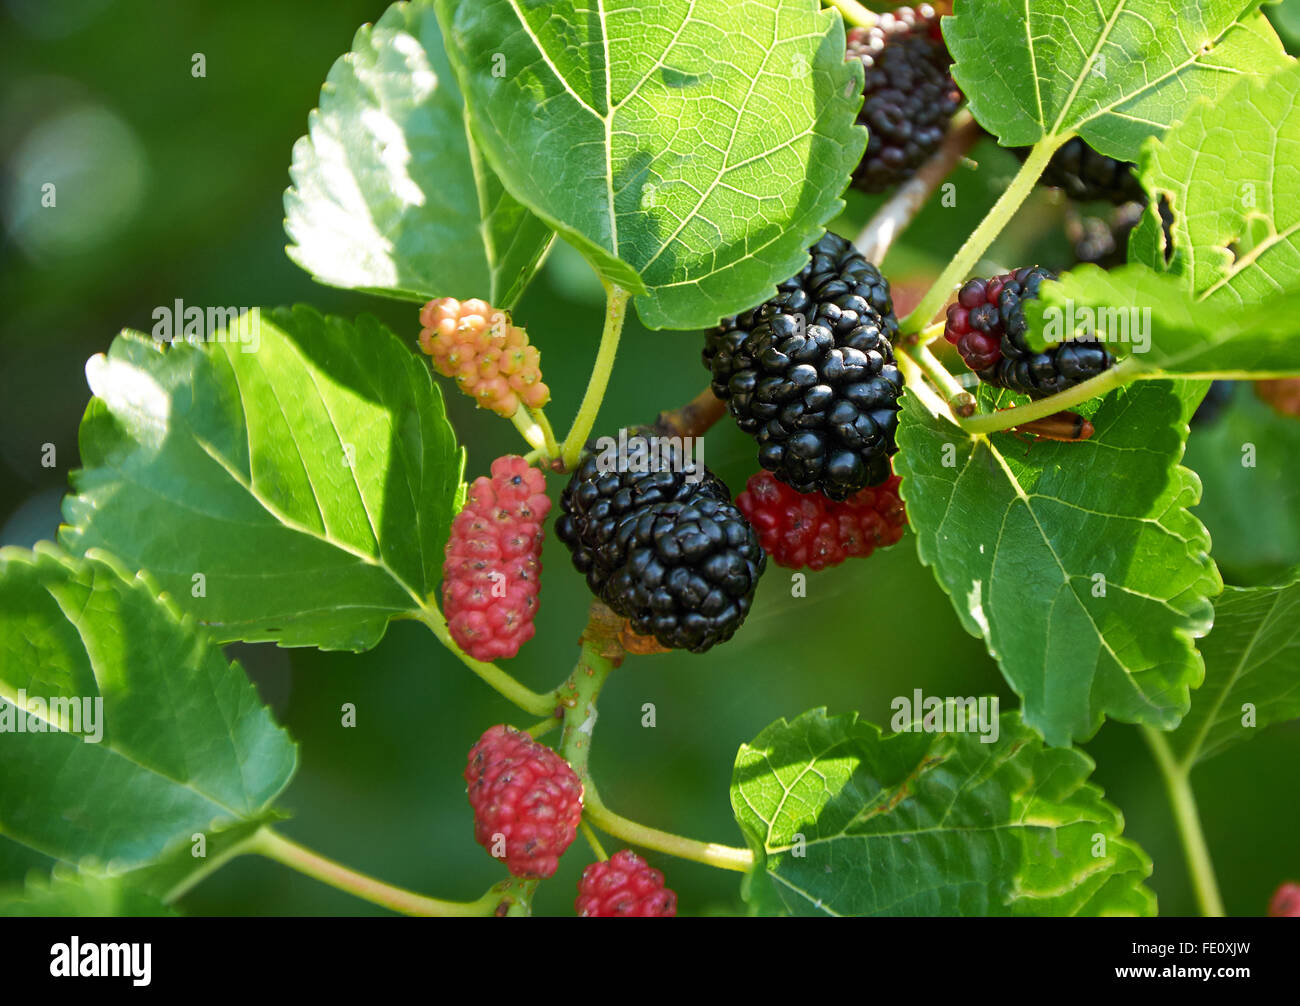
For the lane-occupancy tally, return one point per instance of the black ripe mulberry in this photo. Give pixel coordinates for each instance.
(811, 374)
(987, 325)
(664, 547)
(909, 95)
(1087, 176)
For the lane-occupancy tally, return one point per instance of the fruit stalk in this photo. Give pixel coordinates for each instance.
(493, 676)
(1120, 374)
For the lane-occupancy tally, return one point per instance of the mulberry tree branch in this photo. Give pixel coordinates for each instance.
(695, 417)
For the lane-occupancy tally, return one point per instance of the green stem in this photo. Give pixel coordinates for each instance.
(724, 857)
(1120, 374)
(593, 841)
(616, 299)
(960, 401)
(274, 846)
(529, 428)
(932, 332)
(854, 13)
(1183, 802)
(542, 727)
(990, 227)
(580, 695)
(210, 867)
(551, 447)
(601, 653)
(524, 698)
(914, 380)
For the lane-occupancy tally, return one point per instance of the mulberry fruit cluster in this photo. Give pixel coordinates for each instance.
(625, 886)
(807, 530)
(987, 325)
(662, 546)
(489, 357)
(525, 795)
(909, 95)
(811, 374)
(493, 565)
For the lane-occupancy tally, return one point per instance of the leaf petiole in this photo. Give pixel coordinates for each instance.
(1183, 801)
(1120, 374)
(275, 846)
(524, 698)
(616, 299)
(990, 227)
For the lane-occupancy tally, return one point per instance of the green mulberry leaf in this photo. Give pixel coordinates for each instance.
(1231, 175)
(845, 821)
(692, 150)
(1252, 671)
(1113, 71)
(1150, 318)
(1251, 504)
(1077, 563)
(79, 894)
(389, 194)
(300, 493)
(137, 732)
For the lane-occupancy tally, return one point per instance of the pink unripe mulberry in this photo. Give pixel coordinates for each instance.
(492, 572)
(527, 801)
(624, 886)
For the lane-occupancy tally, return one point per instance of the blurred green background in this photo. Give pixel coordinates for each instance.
(170, 186)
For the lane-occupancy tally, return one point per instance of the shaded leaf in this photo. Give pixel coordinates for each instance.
(72, 894)
(1252, 658)
(1251, 503)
